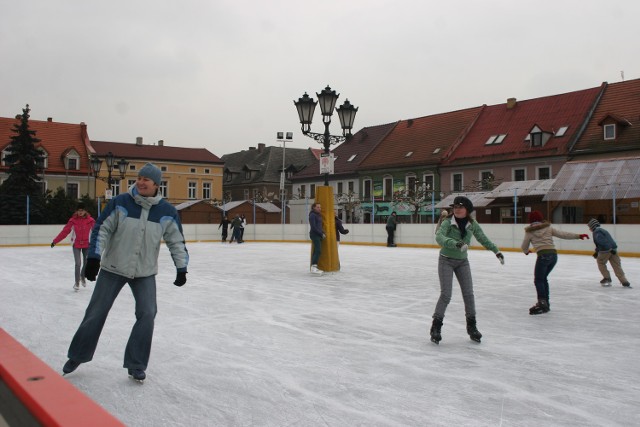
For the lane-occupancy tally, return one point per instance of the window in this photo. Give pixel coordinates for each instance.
(5, 153)
(193, 170)
(289, 174)
(163, 168)
(495, 139)
(388, 188)
(544, 172)
(256, 192)
(536, 139)
(350, 186)
(519, 175)
(246, 194)
(610, 132)
(247, 174)
(437, 150)
(456, 179)
(162, 188)
(130, 182)
(562, 131)
(227, 176)
(115, 188)
(409, 154)
(340, 188)
(411, 184)
(312, 191)
(191, 190)
(206, 190)
(72, 163)
(428, 183)
(132, 167)
(72, 190)
(207, 171)
(353, 156)
(486, 180)
(366, 189)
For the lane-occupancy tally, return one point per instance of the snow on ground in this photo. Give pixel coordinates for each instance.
(253, 339)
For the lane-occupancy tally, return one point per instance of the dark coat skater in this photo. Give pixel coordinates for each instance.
(224, 223)
(607, 251)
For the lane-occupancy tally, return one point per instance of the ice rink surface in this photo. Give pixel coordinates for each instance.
(253, 339)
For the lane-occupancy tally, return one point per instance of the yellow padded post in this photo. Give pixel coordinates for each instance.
(329, 260)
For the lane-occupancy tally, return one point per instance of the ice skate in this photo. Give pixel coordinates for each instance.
(83, 282)
(542, 306)
(76, 286)
(436, 330)
(315, 269)
(605, 282)
(472, 330)
(137, 375)
(626, 284)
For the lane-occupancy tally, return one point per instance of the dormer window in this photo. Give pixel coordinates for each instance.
(227, 176)
(610, 131)
(538, 137)
(247, 174)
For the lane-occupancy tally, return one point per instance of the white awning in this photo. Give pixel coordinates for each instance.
(536, 187)
(597, 180)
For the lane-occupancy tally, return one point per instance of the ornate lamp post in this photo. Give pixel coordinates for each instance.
(324, 195)
(327, 99)
(96, 164)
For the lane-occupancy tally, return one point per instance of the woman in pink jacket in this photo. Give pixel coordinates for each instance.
(81, 224)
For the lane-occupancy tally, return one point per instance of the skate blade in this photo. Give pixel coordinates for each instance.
(436, 342)
(135, 380)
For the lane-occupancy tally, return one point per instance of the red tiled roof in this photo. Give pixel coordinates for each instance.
(55, 138)
(355, 148)
(621, 102)
(426, 138)
(549, 113)
(155, 152)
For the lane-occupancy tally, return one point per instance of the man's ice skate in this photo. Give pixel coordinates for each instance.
(472, 330)
(436, 329)
(83, 282)
(76, 287)
(542, 306)
(315, 269)
(605, 282)
(137, 375)
(626, 284)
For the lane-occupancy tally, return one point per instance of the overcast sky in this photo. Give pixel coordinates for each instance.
(223, 74)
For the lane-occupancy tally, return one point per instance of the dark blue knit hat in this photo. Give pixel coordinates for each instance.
(152, 172)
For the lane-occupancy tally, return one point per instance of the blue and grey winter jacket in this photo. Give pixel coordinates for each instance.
(603, 240)
(128, 233)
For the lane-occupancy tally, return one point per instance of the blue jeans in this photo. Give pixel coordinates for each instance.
(108, 286)
(316, 246)
(544, 265)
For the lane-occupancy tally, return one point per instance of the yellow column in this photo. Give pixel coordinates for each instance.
(329, 260)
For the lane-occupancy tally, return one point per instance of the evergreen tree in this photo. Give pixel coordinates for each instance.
(23, 159)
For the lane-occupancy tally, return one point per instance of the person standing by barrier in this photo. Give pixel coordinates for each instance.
(224, 224)
(80, 224)
(454, 236)
(391, 230)
(316, 234)
(340, 229)
(540, 234)
(124, 249)
(607, 251)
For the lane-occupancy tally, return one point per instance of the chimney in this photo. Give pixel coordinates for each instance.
(138, 140)
(260, 147)
(160, 142)
(511, 103)
(49, 119)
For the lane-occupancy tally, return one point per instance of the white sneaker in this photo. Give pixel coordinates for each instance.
(316, 270)
(76, 286)
(84, 283)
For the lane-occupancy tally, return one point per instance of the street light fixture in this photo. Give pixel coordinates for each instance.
(96, 164)
(327, 99)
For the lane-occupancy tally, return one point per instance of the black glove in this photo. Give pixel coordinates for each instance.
(500, 257)
(52, 244)
(613, 252)
(91, 269)
(181, 278)
(595, 255)
(346, 231)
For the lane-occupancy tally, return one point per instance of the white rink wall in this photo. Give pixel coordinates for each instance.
(506, 236)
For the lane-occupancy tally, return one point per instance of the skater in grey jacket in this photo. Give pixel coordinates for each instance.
(607, 251)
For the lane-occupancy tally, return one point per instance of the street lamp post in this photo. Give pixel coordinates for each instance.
(96, 164)
(283, 175)
(327, 99)
(324, 195)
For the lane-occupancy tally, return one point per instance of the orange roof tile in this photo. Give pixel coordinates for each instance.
(155, 152)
